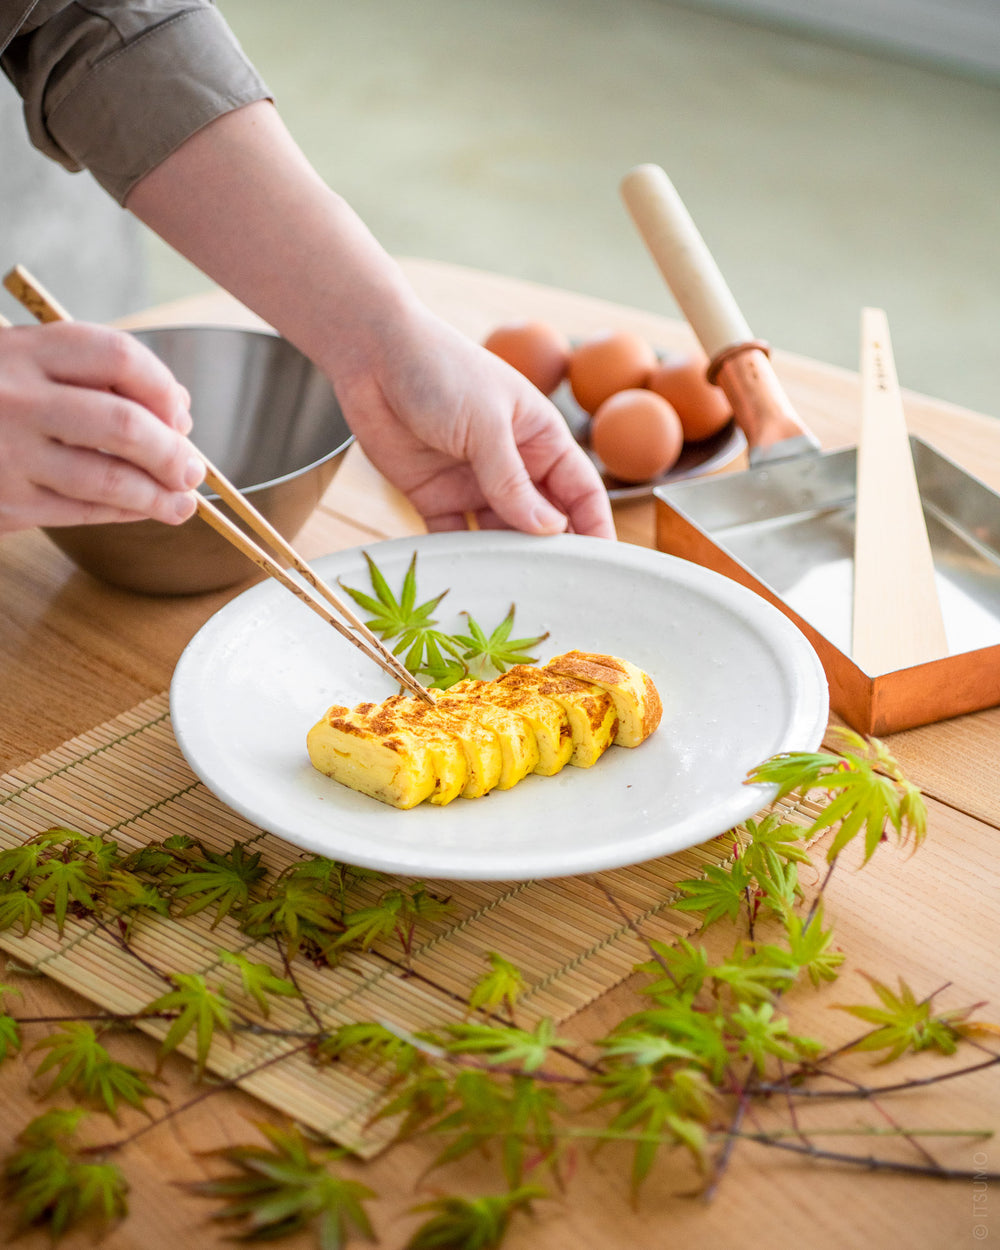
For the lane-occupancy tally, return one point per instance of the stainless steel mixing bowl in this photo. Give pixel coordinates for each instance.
(265, 416)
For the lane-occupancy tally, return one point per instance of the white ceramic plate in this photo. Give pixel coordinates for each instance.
(739, 683)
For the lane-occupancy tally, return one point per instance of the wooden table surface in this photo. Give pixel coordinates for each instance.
(74, 653)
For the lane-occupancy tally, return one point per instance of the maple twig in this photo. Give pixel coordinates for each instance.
(870, 1091)
(870, 1162)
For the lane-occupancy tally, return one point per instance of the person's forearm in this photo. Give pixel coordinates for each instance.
(241, 202)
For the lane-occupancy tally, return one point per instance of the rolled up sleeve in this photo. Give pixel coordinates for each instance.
(116, 87)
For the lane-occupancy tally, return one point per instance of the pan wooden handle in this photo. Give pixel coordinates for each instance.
(684, 260)
(739, 365)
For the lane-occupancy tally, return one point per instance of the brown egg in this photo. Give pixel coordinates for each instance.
(534, 348)
(702, 407)
(609, 362)
(637, 435)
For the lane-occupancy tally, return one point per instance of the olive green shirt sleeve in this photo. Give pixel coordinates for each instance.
(115, 86)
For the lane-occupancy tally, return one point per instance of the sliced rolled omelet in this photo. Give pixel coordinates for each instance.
(636, 699)
(448, 756)
(485, 735)
(590, 710)
(514, 737)
(480, 745)
(369, 752)
(544, 716)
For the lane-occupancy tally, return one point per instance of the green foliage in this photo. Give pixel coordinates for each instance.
(394, 914)
(503, 985)
(259, 981)
(721, 892)
(276, 1190)
(905, 1024)
(430, 652)
(50, 1184)
(199, 1009)
(220, 880)
(372, 1043)
(869, 792)
(403, 620)
(296, 913)
(83, 1066)
(10, 1030)
(489, 654)
(504, 1046)
(760, 1033)
(471, 1223)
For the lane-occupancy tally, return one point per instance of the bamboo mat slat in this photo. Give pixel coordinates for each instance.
(127, 778)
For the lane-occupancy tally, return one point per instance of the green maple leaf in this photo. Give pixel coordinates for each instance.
(810, 947)
(60, 882)
(505, 1045)
(259, 980)
(496, 651)
(10, 1030)
(518, 1115)
(721, 892)
(18, 863)
(372, 1042)
(17, 906)
(668, 1109)
(870, 791)
(471, 1223)
(685, 1025)
(294, 912)
(395, 913)
(759, 1033)
(220, 879)
(685, 965)
(754, 975)
(280, 1189)
(51, 1185)
(770, 843)
(504, 983)
(401, 620)
(904, 1023)
(85, 1068)
(129, 897)
(199, 1009)
(443, 663)
(645, 1049)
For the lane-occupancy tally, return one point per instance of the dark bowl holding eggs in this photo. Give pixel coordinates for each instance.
(646, 418)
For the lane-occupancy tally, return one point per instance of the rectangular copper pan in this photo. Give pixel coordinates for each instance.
(786, 530)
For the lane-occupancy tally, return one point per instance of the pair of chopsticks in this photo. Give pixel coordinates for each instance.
(34, 297)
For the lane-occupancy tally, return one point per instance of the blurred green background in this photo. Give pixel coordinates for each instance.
(824, 175)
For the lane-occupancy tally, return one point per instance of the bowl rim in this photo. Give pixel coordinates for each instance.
(262, 332)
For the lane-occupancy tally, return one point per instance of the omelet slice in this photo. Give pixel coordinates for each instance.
(636, 699)
(480, 745)
(590, 710)
(370, 753)
(546, 719)
(512, 734)
(448, 756)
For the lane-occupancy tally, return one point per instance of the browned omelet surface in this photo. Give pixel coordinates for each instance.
(479, 735)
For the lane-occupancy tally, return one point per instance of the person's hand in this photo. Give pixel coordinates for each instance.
(92, 429)
(458, 431)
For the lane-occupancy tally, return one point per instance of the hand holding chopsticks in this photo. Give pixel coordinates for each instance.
(314, 593)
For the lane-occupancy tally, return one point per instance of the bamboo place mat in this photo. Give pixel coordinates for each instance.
(127, 778)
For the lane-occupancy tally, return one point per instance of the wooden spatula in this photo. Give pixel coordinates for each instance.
(897, 614)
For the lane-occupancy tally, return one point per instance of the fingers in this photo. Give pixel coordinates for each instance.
(126, 431)
(96, 482)
(99, 357)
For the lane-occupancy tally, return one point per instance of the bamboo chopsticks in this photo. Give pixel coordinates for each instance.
(37, 300)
